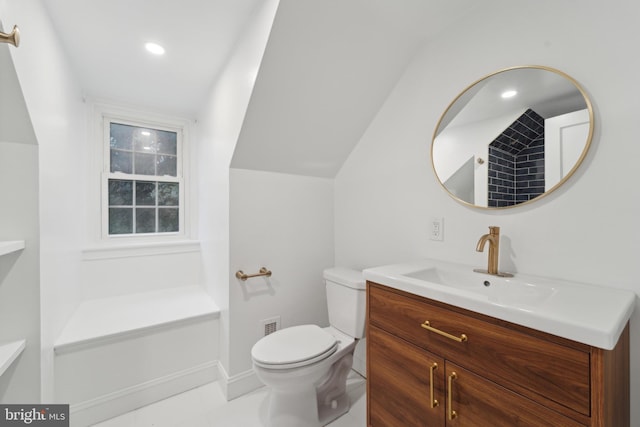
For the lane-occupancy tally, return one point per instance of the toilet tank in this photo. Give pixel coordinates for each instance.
(346, 299)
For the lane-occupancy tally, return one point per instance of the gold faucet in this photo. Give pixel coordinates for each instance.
(494, 250)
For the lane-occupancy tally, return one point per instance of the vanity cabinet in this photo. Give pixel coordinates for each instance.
(405, 383)
(432, 364)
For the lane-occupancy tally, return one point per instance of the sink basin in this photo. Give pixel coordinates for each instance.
(590, 314)
(500, 290)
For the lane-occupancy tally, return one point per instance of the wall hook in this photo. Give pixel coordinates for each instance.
(12, 38)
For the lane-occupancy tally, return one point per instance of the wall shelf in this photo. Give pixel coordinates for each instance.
(8, 247)
(10, 352)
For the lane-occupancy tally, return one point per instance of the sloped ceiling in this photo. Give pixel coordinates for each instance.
(328, 68)
(104, 40)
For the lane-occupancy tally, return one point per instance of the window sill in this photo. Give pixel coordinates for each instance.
(126, 250)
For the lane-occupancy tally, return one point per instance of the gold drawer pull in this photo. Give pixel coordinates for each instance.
(452, 414)
(427, 325)
(434, 402)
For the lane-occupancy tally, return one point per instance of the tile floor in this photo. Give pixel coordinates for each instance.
(206, 407)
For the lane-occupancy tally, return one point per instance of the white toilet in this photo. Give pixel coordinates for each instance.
(306, 366)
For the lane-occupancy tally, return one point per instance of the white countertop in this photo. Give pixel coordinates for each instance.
(593, 315)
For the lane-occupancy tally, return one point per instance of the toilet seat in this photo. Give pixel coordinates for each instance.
(294, 347)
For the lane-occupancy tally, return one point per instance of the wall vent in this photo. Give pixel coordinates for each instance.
(269, 326)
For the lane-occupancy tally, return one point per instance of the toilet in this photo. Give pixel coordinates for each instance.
(305, 367)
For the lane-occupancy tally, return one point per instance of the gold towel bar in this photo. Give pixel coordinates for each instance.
(263, 272)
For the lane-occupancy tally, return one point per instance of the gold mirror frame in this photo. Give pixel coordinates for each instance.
(470, 91)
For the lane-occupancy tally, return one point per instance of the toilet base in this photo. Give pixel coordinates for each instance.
(333, 400)
(293, 409)
(312, 406)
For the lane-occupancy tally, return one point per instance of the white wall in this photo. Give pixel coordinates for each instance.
(122, 275)
(19, 271)
(249, 219)
(284, 223)
(70, 191)
(219, 124)
(586, 231)
(55, 105)
(60, 120)
(124, 265)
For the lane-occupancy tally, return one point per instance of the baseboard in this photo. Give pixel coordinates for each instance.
(134, 397)
(238, 385)
(247, 381)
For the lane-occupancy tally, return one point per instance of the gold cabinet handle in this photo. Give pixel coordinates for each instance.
(452, 414)
(432, 369)
(427, 325)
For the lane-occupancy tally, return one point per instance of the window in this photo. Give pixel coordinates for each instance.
(143, 183)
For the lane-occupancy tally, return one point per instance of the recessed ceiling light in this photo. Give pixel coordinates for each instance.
(154, 48)
(509, 93)
(145, 133)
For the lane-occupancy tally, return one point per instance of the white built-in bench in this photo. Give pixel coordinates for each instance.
(120, 353)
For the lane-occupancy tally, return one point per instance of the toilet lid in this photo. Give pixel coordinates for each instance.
(294, 346)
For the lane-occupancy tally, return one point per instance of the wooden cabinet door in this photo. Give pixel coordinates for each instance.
(478, 402)
(400, 391)
(509, 357)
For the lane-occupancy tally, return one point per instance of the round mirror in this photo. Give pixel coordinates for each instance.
(512, 137)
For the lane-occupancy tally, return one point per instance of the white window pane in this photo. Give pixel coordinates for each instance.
(150, 205)
(145, 220)
(121, 161)
(167, 142)
(120, 192)
(168, 220)
(168, 194)
(120, 220)
(145, 164)
(167, 165)
(145, 193)
(144, 140)
(120, 136)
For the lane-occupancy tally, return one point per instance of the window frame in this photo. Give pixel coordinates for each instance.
(129, 118)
